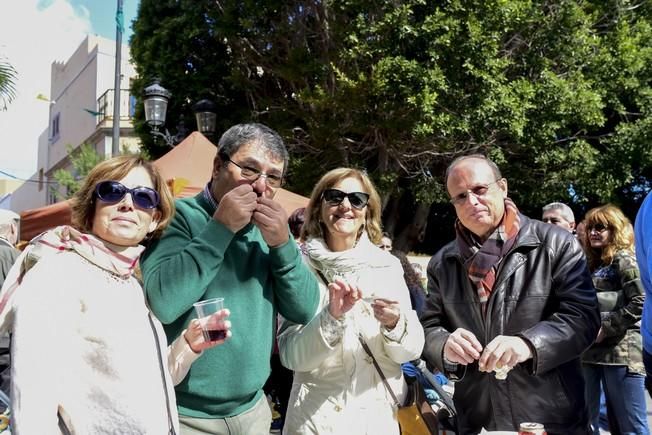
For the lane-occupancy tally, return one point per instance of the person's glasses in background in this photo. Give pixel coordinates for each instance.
(385, 243)
(598, 228)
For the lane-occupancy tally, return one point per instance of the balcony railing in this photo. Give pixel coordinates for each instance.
(105, 106)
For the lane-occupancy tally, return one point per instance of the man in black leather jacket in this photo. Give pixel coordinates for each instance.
(509, 297)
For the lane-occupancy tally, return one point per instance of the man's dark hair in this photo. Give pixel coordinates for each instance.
(252, 133)
(295, 221)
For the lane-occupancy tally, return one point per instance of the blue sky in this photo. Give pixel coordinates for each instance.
(33, 34)
(102, 15)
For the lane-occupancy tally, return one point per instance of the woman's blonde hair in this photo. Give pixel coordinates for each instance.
(314, 228)
(116, 168)
(621, 235)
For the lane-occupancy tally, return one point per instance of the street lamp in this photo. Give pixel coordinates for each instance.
(206, 116)
(156, 105)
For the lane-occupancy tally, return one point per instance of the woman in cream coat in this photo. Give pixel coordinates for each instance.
(88, 356)
(336, 387)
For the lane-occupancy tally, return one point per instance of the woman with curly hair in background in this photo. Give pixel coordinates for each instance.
(615, 359)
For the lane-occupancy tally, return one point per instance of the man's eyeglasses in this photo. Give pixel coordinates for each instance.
(253, 174)
(598, 228)
(478, 191)
(114, 191)
(358, 200)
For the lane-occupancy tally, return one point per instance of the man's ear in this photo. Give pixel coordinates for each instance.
(218, 164)
(503, 185)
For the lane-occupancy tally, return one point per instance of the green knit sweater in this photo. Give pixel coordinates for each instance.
(198, 258)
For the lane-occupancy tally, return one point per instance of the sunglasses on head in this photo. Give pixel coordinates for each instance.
(358, 200)
(114, 191)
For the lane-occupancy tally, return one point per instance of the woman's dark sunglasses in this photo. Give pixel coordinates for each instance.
(358, 200)
(597, 227)
(113, 191)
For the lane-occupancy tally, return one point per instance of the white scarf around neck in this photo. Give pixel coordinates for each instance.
(363, 256)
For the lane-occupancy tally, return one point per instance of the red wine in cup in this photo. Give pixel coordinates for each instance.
(214, 334)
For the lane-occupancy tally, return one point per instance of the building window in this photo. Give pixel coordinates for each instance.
(54, 128)
(40, 180)
(132, 100)
(132, 106)
(52, 195)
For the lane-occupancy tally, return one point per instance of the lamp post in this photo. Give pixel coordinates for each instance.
(156, 105)
(115, 147)
(206, 116)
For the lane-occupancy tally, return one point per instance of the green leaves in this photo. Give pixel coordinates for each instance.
(558, 92)
(82, 159)
(8, 76)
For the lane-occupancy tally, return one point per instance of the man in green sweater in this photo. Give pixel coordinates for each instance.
(231, 241)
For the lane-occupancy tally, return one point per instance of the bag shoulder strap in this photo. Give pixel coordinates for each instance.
(171, 430)
(380, 371)
(443, 394)
(63, 428)
(321, 275)
(371, 355)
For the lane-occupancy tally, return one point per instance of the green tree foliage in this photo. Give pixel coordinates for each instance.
(83, 159)
(8, 77)
(178, 42)
(557, 92)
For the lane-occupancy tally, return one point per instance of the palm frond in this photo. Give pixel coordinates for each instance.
(8, 77)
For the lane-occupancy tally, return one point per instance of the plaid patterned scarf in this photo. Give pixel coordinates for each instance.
(481, 261)
(60, 239)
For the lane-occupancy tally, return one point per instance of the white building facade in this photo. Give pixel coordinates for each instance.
(81, 112)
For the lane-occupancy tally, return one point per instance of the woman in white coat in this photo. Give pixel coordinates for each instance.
(88, 356)
(364, 298)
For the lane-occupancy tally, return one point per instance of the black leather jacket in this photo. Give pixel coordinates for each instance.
(544, 294)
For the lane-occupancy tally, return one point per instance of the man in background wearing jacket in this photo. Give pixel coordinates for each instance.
(510, 309)
(560, 214)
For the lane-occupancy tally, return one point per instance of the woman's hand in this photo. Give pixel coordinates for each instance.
(342, 297)
(386, 312)
(194, 335)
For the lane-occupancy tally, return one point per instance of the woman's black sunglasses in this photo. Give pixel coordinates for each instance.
(358, 200)
(114, 191)
(598, 227)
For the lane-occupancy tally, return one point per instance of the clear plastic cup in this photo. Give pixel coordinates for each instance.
(204, 310)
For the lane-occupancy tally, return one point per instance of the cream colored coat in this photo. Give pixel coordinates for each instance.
(85, 345)
(337, 390)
